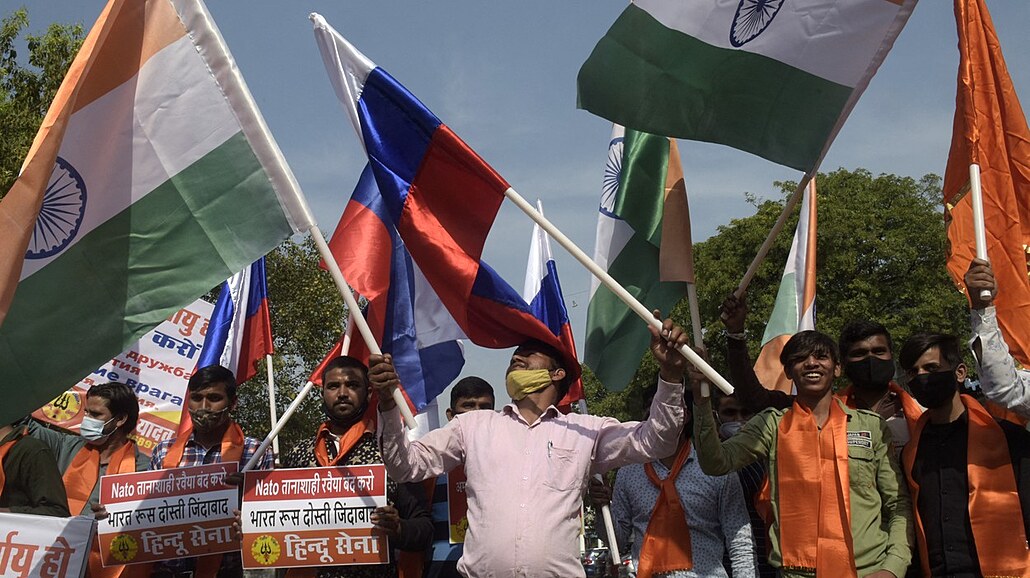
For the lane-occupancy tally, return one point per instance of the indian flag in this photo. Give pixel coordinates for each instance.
(155, 179)
(776, 78)
(643, 241)
(794, 309)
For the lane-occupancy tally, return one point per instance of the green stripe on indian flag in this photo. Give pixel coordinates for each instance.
(129, 141)
(117, 282)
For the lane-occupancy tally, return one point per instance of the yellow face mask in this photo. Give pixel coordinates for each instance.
(522, 382)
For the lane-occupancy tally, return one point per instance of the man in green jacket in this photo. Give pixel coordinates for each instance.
(836, 496)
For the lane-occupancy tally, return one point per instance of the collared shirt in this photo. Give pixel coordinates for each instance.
(716, 515)
(195, 454)
(881, 511)
(525, 482)
(940, 469)
(1001, 382)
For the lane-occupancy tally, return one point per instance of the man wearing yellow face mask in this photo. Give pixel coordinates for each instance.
(527, 466)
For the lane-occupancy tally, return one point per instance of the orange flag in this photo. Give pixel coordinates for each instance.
(990, 130)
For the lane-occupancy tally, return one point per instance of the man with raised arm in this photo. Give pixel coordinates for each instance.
(527, 466)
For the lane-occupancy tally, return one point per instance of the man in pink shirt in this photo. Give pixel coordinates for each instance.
(528, 465)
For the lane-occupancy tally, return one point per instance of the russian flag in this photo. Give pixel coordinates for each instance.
(437, 193)
(543, 292)
(404, 313)
(240, 331)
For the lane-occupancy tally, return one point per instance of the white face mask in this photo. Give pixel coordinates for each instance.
(730, 429)
(92, 429)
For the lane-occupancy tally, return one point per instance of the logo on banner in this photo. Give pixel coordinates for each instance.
(266, 550)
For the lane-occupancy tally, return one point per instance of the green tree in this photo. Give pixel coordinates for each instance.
(27, 90)
(880, 256)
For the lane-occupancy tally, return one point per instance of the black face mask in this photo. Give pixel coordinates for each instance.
(870, 373)
(933, 390)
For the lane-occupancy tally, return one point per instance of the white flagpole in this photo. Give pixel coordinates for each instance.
(606, 511)
(359, 320)
(271, 405)
(613, 286)
(695, 324)
(979, 228)
(763, 251)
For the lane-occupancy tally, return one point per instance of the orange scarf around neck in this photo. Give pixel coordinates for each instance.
(231, 451)
(815, 536)
(348, 440)
(909, 406)
(993, 498)
(123, 461)
(666, 544)
(83, 473)
(6, 447)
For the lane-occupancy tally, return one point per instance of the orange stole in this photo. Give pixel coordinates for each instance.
(666, 544)
(6, 447)
(231, 451)
(819, 537)
(909, 406)
(123, 461)
(993, 499)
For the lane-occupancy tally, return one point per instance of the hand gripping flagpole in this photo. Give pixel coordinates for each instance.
(614, 286)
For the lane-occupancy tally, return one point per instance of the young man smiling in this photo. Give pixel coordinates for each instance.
(837, 498)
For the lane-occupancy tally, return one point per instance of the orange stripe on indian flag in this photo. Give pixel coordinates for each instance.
(132, 31)
(676, 256)
(808, 298)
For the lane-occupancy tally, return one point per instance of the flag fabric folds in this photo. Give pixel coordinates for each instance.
(990, 129)
(776, 79)
(404, 313)
(794, 309)
(150, 151)
(240, 331)
(542, 291)
(643, 241)
(438, 194)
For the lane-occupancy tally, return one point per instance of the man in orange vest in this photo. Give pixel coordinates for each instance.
(969, 473)
(102, 447)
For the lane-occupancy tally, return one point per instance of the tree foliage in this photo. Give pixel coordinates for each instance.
(881, 250)
(27, 88)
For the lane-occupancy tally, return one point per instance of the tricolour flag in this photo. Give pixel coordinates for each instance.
(794, 309)
(542, 291)
(990, 129)
(160, 180)
(643, 240)
(438, 194)
(239, 334)
(777, 79)
(404, 313)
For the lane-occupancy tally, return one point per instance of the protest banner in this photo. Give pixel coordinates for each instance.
(457, 505)
(157, 367)
(313, 517)
(167, 514)
(44, 547)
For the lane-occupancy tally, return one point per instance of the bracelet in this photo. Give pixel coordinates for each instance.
(738, 336)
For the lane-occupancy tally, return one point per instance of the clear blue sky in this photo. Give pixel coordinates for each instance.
(502, 76)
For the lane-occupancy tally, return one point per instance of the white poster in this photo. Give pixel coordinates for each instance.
(43, 546)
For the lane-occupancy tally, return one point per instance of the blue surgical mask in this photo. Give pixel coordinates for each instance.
(92, 429)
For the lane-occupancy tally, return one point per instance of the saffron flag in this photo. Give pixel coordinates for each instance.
(542, 291)
(158, 180)
(643, 240)
(794, 309)
(438, 194)
(776, 79)
(404, 313)
(240, 332)
(990, 129)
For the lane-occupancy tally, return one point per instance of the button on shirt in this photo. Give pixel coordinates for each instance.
(715, 510)
(525, 482)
